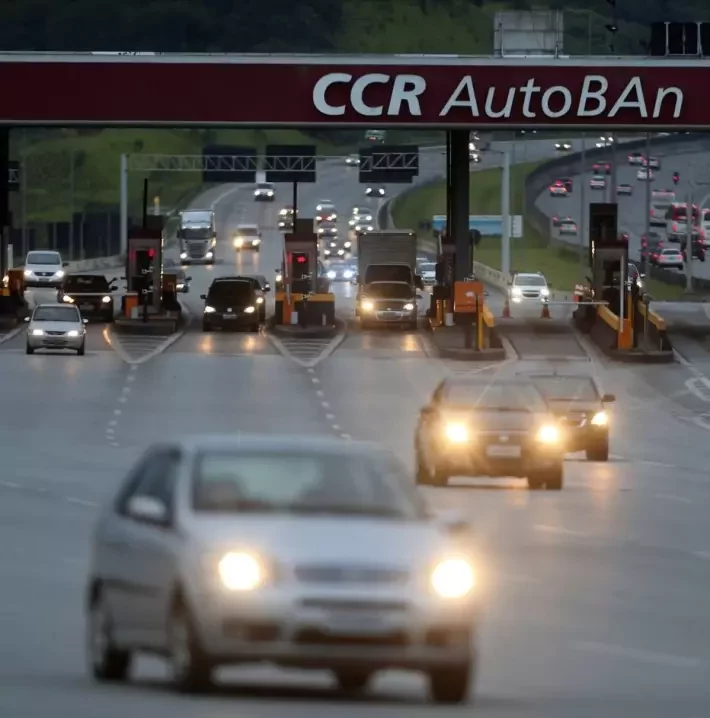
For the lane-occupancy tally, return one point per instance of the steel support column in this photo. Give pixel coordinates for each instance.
(458, 221)
(4, 198)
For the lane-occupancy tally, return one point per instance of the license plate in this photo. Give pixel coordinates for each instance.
(230, 316)
(508, 452)
(86, 306)
(363, 623)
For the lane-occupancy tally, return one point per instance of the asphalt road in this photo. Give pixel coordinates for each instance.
(595, 599)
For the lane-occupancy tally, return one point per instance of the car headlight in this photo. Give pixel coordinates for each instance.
(73, 333)
(67, 299)
(548, 434)
(181, 286)
(347, 274)
(37, 332)
(408, 307)
(249, 310)
(368, 218)
(341, 252)
(456, 432)
(59, 273)
(270, 193)
(238, 242)
(352, 222)
(369, 189)
(256, 241)
(283, 212)
(183, 255)
(240, 572)
(367, 305)
(333, 244)
(516, 292)
(279, 277)
(209, 255)
(347, 245)
(28, 272)
(326, 252)
(545, 292)
(331, 275)
(260, 300)
(600, 419)
(453, 578)
(106, 300)
(210, 310)
(321, 231)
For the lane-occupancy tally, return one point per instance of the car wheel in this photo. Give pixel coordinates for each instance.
(598, 452)
(81, 350)
(206, 327)
(536, 482)
(106, 662)
(29, 349)
(352, 680)
(554, 478)
(190, 669)
(451, 684)
(255, 327)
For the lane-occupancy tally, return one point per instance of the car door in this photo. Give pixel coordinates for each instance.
(153, 549)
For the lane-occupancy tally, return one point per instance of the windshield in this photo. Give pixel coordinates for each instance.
(248, 231)
(567, 388)
(86, 283)
(427, 267)
(196, 218)
(299, 482)
(504, 396)
(531, 280)
(231, 291)
(265, 185)
(56, 314)
(43, 258)
(389, 291)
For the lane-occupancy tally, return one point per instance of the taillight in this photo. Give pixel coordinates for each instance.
(675, 226)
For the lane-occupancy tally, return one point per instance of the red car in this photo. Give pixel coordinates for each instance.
(602, 168)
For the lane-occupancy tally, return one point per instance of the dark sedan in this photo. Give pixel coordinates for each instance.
(91, 293)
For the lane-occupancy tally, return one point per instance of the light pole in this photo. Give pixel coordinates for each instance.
(583, 214)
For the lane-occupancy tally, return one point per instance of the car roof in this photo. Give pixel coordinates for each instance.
(276, 443)
(240, 278)
(44, 305)
(248, 224)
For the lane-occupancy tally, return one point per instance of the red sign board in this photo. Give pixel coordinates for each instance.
(275, 90)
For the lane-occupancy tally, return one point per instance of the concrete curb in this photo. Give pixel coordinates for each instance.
(632, 357)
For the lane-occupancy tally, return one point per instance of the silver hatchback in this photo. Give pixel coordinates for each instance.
(56, 326)
(300, 552)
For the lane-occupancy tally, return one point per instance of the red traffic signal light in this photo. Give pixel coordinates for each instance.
(301, 258)
(151, 253)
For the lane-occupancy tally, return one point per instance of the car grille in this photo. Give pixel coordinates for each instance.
(350, 574)
(196, 250)
(55, 334)
(44, 274)
(531, 294)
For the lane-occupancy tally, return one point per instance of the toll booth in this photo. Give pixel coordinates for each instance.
(300, 271)
(468, 308)
(609, 260)
(144, 261)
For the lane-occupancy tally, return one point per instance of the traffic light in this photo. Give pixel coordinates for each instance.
(300, 265)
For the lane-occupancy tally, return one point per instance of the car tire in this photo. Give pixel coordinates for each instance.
(206, 327)
(554, 478)
(452, 684)
(598, 452)
(29, 349)
(189, 667)
(255, 327)
(81, 350)
(106, 661)
(352, 681)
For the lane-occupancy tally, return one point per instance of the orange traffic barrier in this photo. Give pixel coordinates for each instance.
(545, 311)
(506, 309)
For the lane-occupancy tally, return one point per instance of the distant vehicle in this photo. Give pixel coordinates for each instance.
(375, 192)
(557, 222)
(427, 271)
(645, 175)
(601, 168)
(563, 146)
(56, 326)
(264, 192)
(375, 136)
(247, 236)
(326, 230)
(529, 285)
(567, 228)
(286, 218)
(352, 160)
(474, 157)
(605, 142)
(197, 234)
(362, 223)
(231, 303)
(661, 200)
(557, 189)
(653, 163)
(325, 211)
(44, 268)
(624, 189)
(597, 182)
(636, 159)
(91, 293)
(667, 259)
(341, 271)
(677, 221)
(568, 183)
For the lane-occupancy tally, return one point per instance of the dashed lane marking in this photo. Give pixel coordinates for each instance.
(306, 352)
(5, 336)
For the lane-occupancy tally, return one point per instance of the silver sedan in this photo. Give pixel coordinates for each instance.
(56, 326)
(307, 553)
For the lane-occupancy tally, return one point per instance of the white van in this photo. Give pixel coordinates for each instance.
(661, 200)
(677, 219)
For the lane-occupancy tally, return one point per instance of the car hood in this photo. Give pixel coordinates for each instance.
(56, 326)
(336, 539)
(53, 268)
(500, 420)
(560, 407)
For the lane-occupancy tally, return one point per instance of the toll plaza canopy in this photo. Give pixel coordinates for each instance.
(144, 89)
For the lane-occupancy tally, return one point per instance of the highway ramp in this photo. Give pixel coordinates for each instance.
(595, 598)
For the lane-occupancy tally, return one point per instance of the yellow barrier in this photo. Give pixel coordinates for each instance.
(488, 318)
(606, 315)
(281, 297)
(657, 321)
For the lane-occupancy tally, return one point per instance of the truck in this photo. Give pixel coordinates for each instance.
(197, 234)
(387, 279)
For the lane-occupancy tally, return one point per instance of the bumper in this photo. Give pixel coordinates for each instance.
(263, 198)
(198, 260)
(470, 461)
(247, 247)
(49, 342)
(235, 321)
(286, 635)
(579, 439)
(37, 282)
(389, 318)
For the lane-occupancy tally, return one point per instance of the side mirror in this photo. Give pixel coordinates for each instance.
(267, 287)
(608, 398)
(419, 296)
(123, 279)
(642, 276)
(147, 509)
(27, 319)
(85, 321)
(65, 264)
(188, 279)
(549, 285)
(115, 279)
(203, 296)
(112, 289)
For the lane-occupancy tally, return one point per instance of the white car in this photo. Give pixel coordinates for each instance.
(325, 211)
(563, 146)
(296, 551)
(375, 192)
(56, 326)
(247, 236)
(605, 142)
(597, 182)
(568, 228)
(352, 160)
(44, 268)
(653, 163)
(529, 286)
(624, 189)
(636, 159)
(644, 174)
(669, 259)
(362, 223)
(558, 190)
(264, 192)
(427, 271)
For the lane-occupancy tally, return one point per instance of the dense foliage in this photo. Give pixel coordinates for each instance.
(312, 25)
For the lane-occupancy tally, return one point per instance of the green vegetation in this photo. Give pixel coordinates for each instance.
(561, 266)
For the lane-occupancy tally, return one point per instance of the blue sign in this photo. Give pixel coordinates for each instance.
(488, 225)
